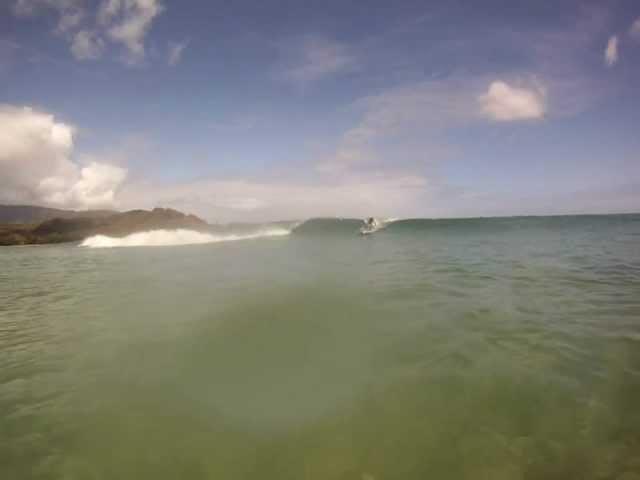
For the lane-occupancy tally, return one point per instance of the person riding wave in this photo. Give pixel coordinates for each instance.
(370, 225)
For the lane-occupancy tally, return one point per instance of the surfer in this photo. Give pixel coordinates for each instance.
(370, 226)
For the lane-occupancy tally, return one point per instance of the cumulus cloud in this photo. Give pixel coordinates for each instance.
(174, 52)
(94, 187)
(87, 45)
(505, 103)
(317, 58)
(128, 21)
(36, 164)
(611, 52)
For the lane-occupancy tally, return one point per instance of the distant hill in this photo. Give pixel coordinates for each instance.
(76, 226)
(29, 214)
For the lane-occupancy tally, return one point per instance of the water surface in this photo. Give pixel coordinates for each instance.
(453, 349)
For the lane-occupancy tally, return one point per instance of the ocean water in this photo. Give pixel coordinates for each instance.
(432, 349)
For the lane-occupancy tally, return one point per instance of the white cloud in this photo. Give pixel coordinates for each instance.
(174, 52)
(25, 7)
(87, 45)
(125, 22)
(251, 200)
(634, 30)
(108, 10)
(505, 103)
(36, 164)
(32, 7)
(94, 187)
(71, 12)
(128, 21)
(412, 118)
(404, 129)
(354, 150)
(69, 19)
(611, 52)
(318, 58)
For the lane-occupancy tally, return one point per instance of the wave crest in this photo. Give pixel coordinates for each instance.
(162, 238)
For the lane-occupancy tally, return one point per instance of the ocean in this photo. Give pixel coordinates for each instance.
(497, 348)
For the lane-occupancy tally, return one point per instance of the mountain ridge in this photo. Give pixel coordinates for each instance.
(28, 214)
(73, 226)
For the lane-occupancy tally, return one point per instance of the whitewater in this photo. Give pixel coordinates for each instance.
(176, 237)
(162, 238)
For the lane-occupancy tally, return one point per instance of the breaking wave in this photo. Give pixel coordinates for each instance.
(350, 227)
(477, 225)
(161, 238)
(337, 226)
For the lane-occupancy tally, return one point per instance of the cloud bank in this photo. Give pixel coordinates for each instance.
(261, 200)
(36, 164)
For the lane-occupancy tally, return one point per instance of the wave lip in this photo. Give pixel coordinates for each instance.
(163, 238)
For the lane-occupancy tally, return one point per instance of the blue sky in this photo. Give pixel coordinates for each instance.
(252, 110)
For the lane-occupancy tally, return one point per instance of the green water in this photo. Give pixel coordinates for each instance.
(467, 349)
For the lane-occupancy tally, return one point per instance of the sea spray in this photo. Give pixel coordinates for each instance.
(160, 238)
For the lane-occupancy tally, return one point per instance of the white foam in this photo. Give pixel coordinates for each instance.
(160, 238)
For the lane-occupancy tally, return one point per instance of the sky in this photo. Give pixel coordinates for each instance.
(272, 109)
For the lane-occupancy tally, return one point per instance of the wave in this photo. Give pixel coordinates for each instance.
(163, 238)
(328, 226)
(332, 227)
(337, 226)
(476, 225)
